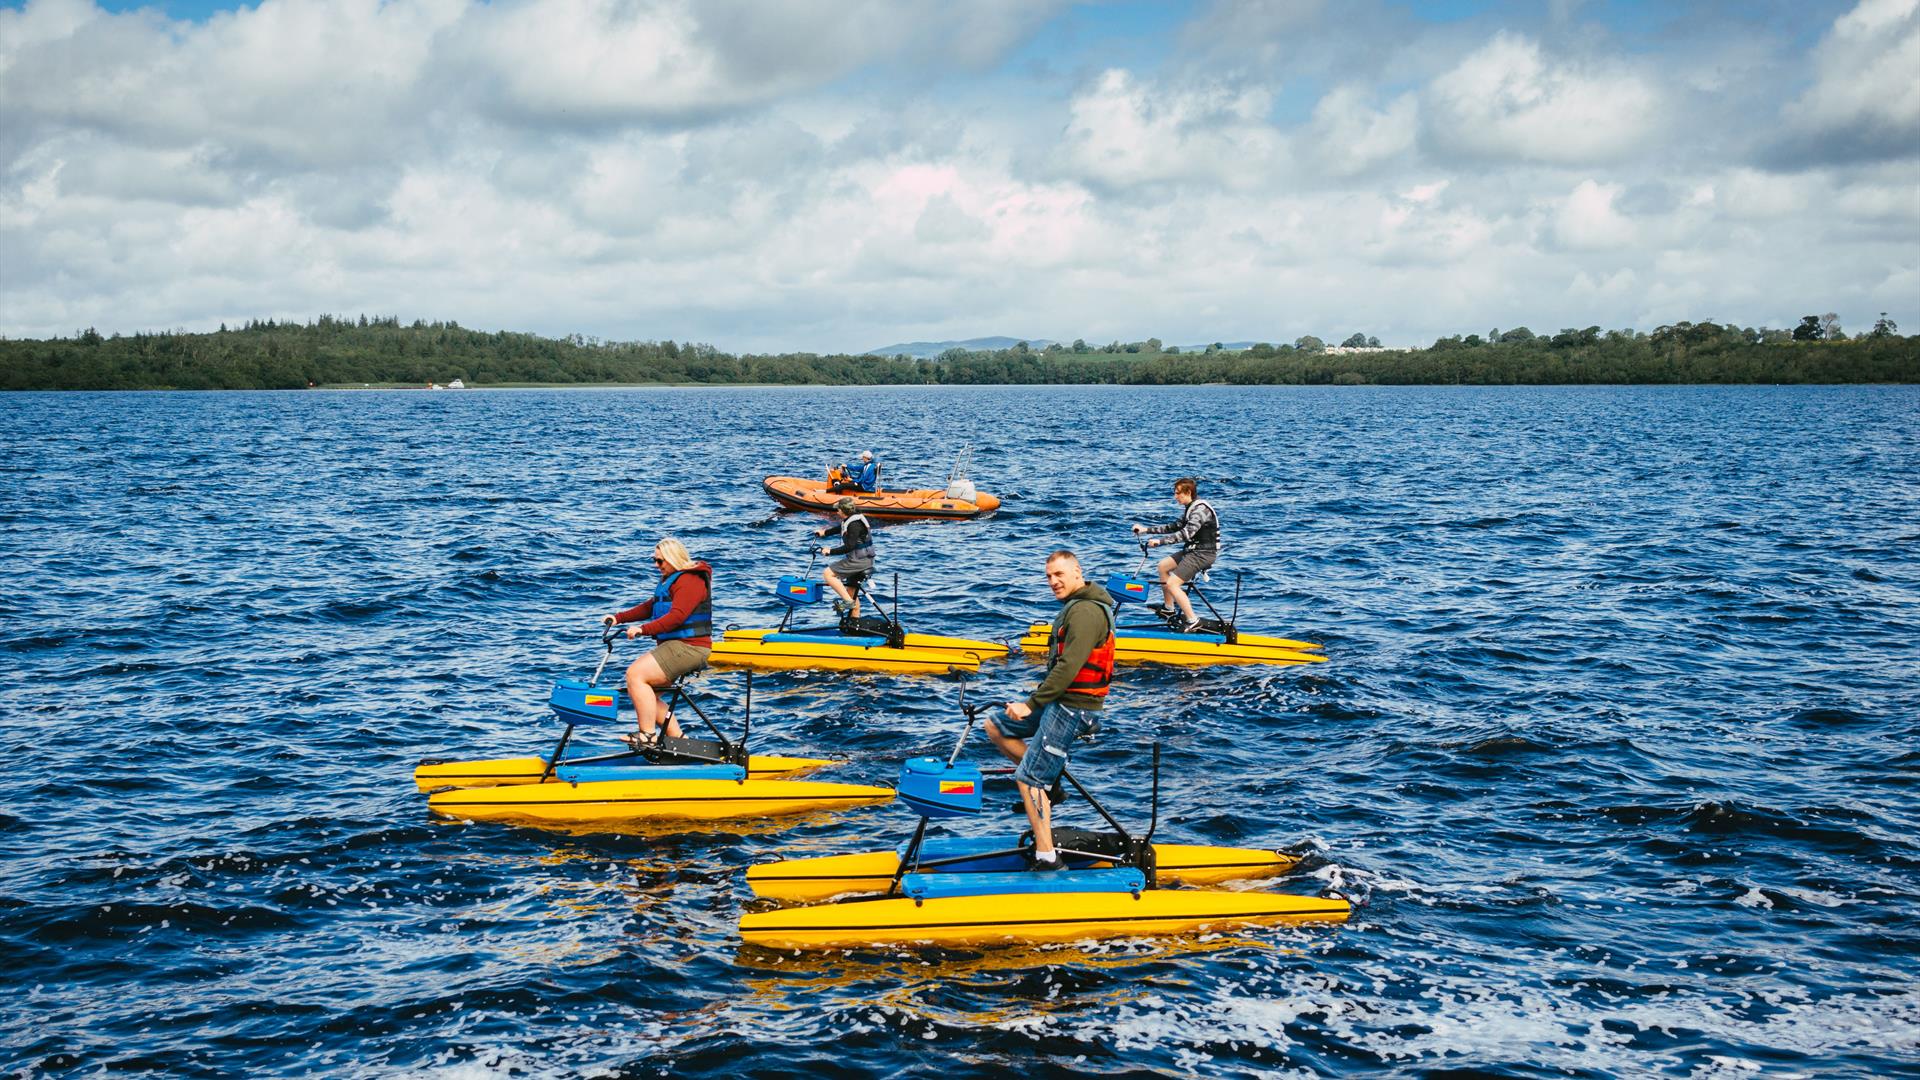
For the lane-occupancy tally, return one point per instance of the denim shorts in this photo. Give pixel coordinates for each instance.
(1049, 733)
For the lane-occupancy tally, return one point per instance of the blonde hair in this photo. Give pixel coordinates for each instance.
(674, 553)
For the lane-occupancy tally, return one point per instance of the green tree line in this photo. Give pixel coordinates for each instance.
(332, 351)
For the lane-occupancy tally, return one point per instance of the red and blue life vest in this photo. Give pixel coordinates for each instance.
(700, 622)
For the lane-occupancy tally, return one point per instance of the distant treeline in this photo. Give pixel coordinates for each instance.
(334, 351)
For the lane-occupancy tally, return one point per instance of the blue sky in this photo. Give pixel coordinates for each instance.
(825, 176)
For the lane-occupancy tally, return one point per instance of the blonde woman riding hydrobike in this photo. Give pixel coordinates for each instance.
(680, 617)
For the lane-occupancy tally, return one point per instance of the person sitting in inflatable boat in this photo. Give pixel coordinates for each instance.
(862, 477)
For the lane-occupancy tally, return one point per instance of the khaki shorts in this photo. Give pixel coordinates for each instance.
(679, 659)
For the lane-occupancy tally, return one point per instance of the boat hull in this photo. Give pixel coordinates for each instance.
(1170, 647)
(1031, 918)
(807, 881)
(502, 772)
(608, 801)
(922, 654)
(919, 504)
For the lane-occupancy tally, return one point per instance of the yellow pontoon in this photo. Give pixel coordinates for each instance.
(501, 772)
(827, 650)
(696, 793)
(1017, 912)
(806, 881)
(1140, 645)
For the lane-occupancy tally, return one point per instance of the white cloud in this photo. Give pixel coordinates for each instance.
(1263, 32)
(1758, 196)
(943, 222)
(1896, 202)
(836, 175)
(1126, 133)
(1507, 102)
(1602, 287)
(1350, 136)
(1865, 100)
(600, 62)
(1587, 220)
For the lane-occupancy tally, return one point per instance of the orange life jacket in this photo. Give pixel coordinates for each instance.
(1095, 676)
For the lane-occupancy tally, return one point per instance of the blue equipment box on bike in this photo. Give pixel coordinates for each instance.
(935, 788)
(1126, 588)
(577, 702)
(796, 591)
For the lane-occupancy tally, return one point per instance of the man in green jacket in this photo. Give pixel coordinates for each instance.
(1065, 704)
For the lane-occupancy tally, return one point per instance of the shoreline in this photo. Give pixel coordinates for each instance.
(1142, 387)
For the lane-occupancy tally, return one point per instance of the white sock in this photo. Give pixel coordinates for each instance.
(1046, 856)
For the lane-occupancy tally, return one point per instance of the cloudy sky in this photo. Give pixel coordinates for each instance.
(836, 175)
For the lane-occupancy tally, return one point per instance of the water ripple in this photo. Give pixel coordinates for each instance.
(1615, 754)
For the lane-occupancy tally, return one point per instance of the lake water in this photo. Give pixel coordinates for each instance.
(1618, 748)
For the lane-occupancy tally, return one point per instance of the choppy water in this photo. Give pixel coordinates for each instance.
(1618, 746)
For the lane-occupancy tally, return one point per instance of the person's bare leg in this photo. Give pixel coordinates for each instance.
(838, 587)
(1176, 589)
(1010, 748)
(656, 676)
(640, 690)
(1039, 817)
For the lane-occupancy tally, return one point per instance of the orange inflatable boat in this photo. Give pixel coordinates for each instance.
(957, 501)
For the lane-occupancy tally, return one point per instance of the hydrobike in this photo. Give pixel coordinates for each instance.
(1218, 639)
(872, 642)
(959, 500)
(680, 778)
(977, 891)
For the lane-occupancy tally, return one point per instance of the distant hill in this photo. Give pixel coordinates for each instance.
(1230, 346)
(929, 350)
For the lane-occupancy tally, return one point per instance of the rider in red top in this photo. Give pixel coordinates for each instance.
(679, 616)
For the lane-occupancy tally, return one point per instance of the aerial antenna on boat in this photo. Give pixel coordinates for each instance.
(958, 485)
